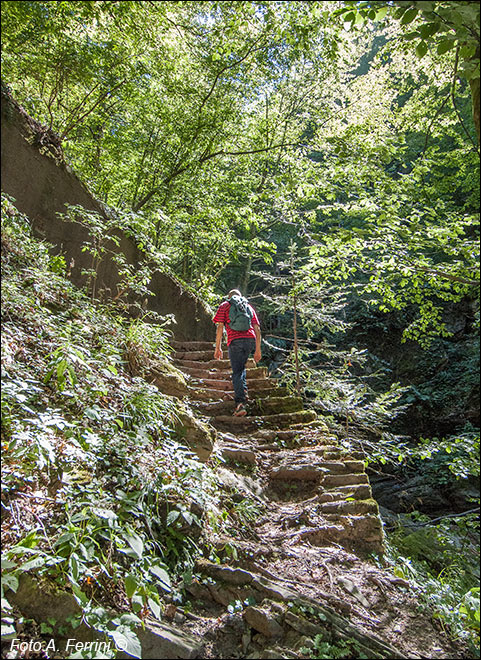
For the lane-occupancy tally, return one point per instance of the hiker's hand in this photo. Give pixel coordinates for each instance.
(257, 356)
(218, 354)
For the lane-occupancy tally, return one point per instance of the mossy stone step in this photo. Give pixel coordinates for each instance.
(204, 355)
(267, 406)
(359, 492)
(220, 365)
(360, 531)
(334, 480)
(327, 452)
(192, 345)
(344, 467)
(254, 384)
(299, 472)
(200, 393)
(267, 421)
(351, 507)
(270, 435)
(212, 373)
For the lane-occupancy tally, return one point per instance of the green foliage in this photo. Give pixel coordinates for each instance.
(225, 132)
(446, 25)
(441, 562)
(323, 648)
(458, 453)
(122, 498)
(104, 241)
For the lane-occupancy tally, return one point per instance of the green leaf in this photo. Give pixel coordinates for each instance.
(409, 16)
(381, 13)
(154, 608)
(409, 36)
(74, 567)
(8, 631)
(162, 575)
(429, 29)
(34, 563)
(421, 49)
(172, 517)
(80, 596)
(126, 640)
(10, 581)
(130, 584)
(135, 543)
(137, 603)
(467, 51)
(444, 46)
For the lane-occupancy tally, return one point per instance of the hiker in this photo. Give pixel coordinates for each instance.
(243, 336)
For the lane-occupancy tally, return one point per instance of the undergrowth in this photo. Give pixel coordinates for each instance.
(441, 562)
(98, 493)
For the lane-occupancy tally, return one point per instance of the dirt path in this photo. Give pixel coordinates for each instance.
(308, 560)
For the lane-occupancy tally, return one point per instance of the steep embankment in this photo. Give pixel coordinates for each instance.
(36, 176)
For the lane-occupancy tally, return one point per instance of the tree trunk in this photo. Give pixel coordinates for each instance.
(296, 348)
(474, 85)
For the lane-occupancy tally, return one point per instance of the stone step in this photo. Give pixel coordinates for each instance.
(350, 507)
(270, 435)
(334, 480)
(344, 467)
(193, 345)
(254, 384)
(200, 393)
(299, 472)
(206, 355)
(267, 406)
(218, 374)
(262, 421)
(360, 531)
(220, 365)
(238, 454)
(359, 492)
(328, 452)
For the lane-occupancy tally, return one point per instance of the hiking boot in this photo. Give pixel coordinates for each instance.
(240, 410)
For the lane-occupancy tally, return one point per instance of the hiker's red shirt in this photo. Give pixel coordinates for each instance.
(222, 316)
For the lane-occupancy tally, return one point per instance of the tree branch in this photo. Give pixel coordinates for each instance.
(453, 87)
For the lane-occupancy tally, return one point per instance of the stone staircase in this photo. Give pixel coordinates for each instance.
(323, 492)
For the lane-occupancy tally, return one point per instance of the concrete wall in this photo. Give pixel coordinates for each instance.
(42, 185)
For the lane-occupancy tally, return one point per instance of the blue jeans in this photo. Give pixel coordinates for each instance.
(239, 352)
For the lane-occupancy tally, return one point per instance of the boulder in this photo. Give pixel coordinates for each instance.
(263, 621)
(168, 379)
(196, 434)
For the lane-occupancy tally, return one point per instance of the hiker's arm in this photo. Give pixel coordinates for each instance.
(218, 341)
(257, 352)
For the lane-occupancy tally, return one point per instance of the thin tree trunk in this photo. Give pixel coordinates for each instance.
(474, 85)
(296, 348)
(296, 343)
